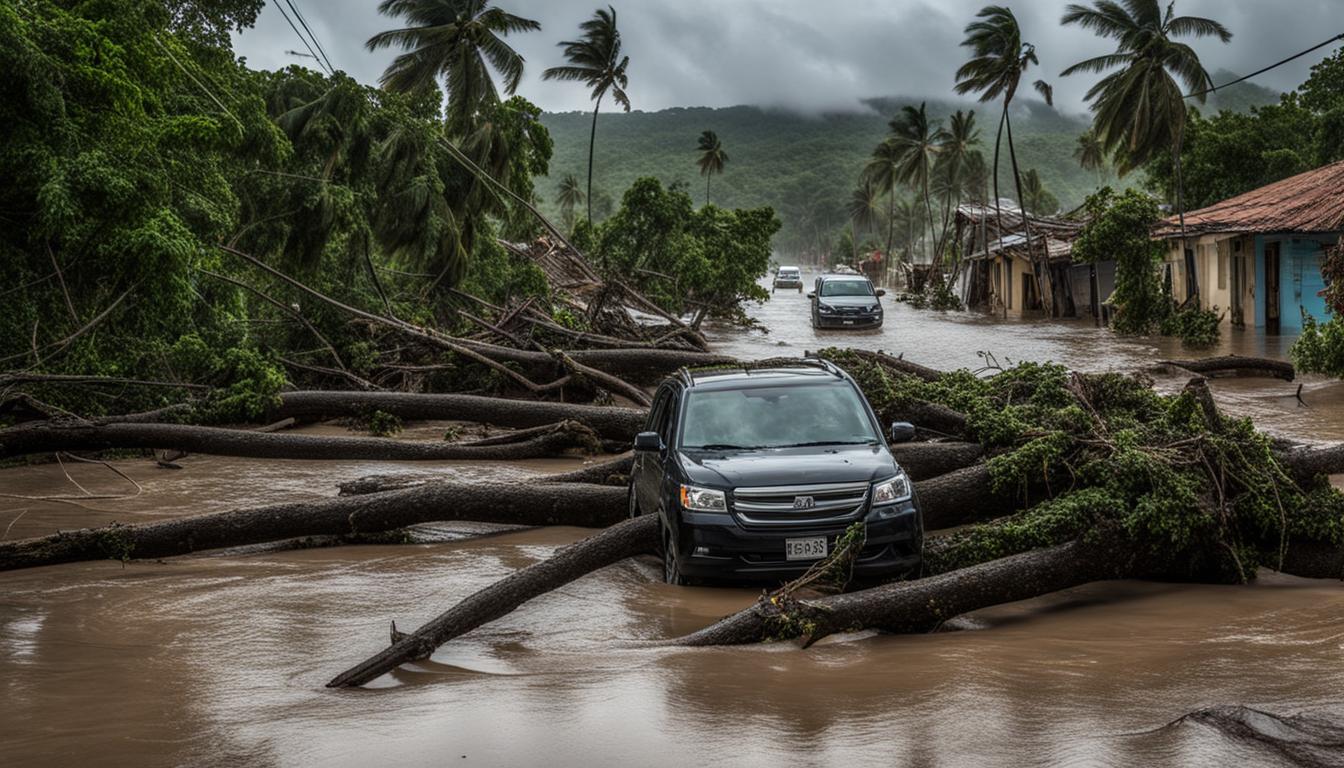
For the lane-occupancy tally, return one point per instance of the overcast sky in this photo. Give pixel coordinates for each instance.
(809, 55)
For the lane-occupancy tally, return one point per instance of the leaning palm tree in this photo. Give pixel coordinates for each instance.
(712, 158)
(1139, 109)
(569, 194)
(918, 144)
(1090, 153)
(595, 60)
(999, 60)
(458, 42)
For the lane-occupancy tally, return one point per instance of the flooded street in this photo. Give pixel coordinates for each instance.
(220, 659)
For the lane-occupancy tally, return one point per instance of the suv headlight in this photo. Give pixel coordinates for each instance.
(876, 308)
(703, 499)
(892, 490)
(824, 309)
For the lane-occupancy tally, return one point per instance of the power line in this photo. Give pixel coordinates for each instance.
(306, 44)
(316, 42)
(1266, 69)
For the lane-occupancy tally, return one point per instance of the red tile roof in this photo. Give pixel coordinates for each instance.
(1308, 202)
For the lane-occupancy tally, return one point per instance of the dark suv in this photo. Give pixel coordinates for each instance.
(754, 473)
(846, 301)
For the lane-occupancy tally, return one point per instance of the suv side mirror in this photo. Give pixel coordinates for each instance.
(901, 432)
(650, 441)
(811, 294)
(881, 292)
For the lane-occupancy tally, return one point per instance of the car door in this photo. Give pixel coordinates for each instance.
(648, 465)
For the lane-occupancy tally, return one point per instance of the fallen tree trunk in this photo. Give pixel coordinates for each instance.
(616, 543)
(929, 417)
(640, 364)
(50, 436)
(574, 504)
(611, 422)
(601, 473)
(1306, 462)
(920, 605)
(960, 497)
(926, 460)
(1236, 365)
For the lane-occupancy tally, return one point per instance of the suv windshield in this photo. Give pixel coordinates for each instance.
(788, 272)
(776, 417)
(846, 288)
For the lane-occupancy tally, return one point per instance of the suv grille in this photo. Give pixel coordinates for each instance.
(800, 505)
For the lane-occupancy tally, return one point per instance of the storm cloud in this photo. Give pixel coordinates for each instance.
(805, 55)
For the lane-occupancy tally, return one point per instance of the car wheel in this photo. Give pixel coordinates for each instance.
(800, 289)
(671, 571)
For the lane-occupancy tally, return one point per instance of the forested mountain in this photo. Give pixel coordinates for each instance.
(804, 166)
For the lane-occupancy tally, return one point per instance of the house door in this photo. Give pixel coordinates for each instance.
(1271, 288)
(1238, 282)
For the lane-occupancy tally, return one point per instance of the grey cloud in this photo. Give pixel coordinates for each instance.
(803, 54)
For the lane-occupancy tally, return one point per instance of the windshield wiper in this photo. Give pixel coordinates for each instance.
(722, 447)
(819, 443)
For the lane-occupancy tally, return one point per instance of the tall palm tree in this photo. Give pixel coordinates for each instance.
(918, 144)
(864, 209)
(1139, 109)
(569, 195)
(881, 172)
(458, 41)
(595, 60)
(959, 144)
(712, 158)
(999, 60)
(1090, 153)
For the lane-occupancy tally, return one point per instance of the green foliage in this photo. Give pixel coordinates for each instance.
(1118, 229)
(1197, 328)
(1230, 153)
(681, 257)
(1195, 497)
(245, 383)
(1320, 347)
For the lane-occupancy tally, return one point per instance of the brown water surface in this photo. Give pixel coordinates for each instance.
(220, 659)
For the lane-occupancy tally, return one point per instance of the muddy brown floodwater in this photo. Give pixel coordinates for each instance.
(220, 659)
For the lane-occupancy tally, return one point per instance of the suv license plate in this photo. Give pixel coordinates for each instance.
(849, 322)
(805, 549)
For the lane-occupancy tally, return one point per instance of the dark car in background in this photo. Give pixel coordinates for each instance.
(788, 277)
(753, 474)
(846, 301)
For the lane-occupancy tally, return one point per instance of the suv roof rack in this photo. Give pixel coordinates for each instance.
(810, 360)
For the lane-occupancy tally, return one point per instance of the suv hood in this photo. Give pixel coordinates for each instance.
(848, 301)
(788, 466)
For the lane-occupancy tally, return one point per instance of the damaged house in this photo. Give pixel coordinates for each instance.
(1256, 258)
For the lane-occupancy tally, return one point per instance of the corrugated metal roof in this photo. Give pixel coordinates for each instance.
(1311, 202)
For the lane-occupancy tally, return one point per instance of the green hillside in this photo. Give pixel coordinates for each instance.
(803, 166)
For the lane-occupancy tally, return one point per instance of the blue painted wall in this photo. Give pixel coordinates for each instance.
(1300, 279)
